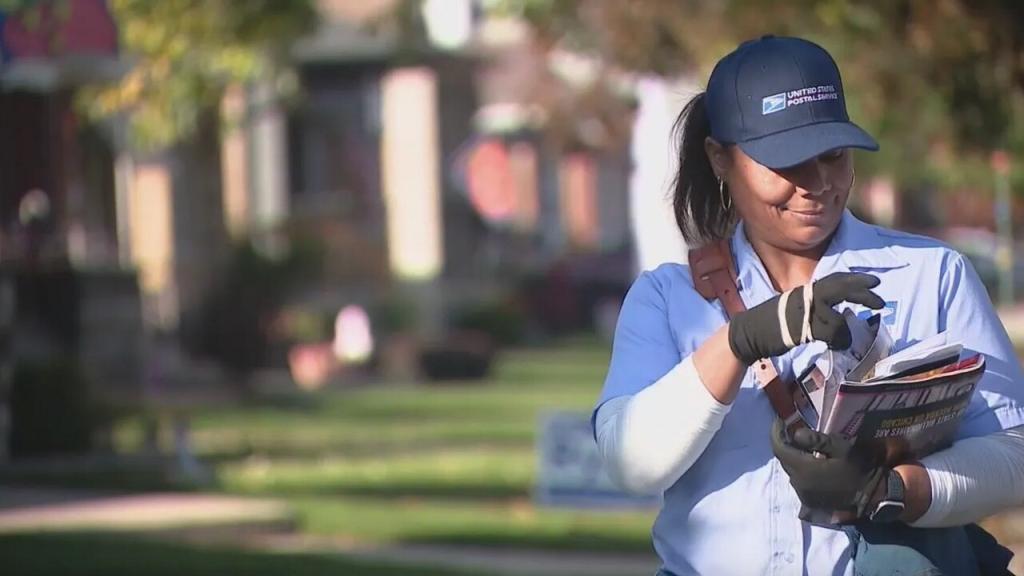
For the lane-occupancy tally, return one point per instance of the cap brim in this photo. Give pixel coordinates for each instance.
(798, 145)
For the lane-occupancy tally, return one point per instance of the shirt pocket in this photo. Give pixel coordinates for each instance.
(897, 289)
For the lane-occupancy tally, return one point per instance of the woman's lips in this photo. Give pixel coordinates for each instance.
(808, 215)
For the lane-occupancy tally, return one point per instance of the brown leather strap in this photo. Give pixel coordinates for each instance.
(714, 276)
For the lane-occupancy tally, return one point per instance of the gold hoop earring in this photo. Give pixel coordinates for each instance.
(726, 204)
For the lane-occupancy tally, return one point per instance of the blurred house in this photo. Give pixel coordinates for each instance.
(431, 148)
(453, 148)
(44, 145)
(69, 311)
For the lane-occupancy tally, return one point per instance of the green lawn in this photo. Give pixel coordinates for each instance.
(450, 463)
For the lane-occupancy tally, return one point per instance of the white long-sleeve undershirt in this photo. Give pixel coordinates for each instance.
(975, 478)
(645, 444)
(649, 439)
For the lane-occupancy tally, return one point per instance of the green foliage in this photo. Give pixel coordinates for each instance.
(183, 55)
(14, 5)
(941, 84)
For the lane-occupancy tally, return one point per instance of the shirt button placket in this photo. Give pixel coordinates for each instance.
(776, 516)
(785, 528)
(793, 548)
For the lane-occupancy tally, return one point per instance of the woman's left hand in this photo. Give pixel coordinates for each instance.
(842, 478)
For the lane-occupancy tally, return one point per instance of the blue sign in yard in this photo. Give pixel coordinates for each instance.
(569, 468)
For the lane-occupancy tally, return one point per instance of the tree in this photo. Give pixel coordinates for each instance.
(182, 54)
(935, 80)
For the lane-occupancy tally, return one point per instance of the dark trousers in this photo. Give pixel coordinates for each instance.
(899, 550)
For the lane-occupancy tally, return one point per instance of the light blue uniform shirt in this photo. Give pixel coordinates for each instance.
(733, 511)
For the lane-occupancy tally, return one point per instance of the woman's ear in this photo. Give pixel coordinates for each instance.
(718, 156)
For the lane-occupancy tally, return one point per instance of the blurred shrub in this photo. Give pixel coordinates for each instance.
(465, 355)
(234, 324)
(392, 314)
(296, 324)
(51, 411)
(501, 320)
(393, 322)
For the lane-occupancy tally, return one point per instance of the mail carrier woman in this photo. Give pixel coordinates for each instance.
(766, 162)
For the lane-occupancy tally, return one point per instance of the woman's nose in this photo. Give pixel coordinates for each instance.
(813, 177)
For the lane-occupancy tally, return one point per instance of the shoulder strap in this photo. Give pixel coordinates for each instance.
(714, 276)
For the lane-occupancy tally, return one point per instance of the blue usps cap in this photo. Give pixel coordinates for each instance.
(781, 101)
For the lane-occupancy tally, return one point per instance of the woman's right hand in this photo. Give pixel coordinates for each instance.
(759, 332)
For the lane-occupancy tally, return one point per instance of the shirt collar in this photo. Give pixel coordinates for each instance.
(856, 245)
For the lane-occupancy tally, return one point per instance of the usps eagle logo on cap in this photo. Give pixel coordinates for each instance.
(773, 103)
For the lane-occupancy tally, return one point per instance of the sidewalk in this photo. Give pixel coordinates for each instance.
(32, 509)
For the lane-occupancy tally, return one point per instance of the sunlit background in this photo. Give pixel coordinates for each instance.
(328, 286)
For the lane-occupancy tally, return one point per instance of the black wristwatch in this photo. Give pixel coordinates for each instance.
(891, 507)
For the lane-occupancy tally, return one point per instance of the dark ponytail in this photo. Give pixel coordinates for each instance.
(696, 200)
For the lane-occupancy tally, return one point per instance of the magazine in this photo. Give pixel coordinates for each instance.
(902, 404)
